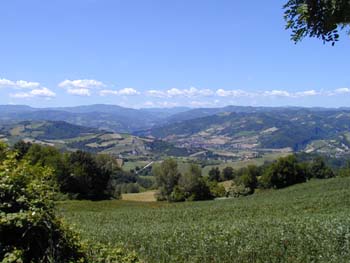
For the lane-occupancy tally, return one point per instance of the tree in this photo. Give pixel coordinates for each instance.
(193, 186)
(90, 181)
(167, 177)
(246, 183)
(21, 148)
(285, 172)
(319, 169)
(249, 177)
(40, 155)
(227, 173)
(214, 174)
(317, 18)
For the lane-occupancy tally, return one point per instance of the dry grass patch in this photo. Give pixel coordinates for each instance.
(148, 196)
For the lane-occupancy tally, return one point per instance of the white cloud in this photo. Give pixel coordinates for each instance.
(174, 92)
(81, 84)
(278, 93)
(156, 93)
(79, 92)
(19, 84)
(307, 93)
(148, 104)
(342, 91)
(41, 92)
(128, 92)
(232, 93)
(122, 92)
(284, 93)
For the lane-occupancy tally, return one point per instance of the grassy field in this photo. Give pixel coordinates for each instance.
(148, 196)
(308, 222)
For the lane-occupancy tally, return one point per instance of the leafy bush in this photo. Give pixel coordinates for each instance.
(216, 189)
(285, 172)
(29, 230)
(319, 169)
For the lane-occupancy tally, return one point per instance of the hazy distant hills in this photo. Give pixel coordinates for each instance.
(66, 136)
(107, 117)
(259, 128)
(231, 128)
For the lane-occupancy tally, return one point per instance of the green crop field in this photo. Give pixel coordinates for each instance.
(308, 222)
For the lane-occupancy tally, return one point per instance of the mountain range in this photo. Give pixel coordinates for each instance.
(231, 128)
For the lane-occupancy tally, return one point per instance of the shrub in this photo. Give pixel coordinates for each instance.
(216, 190)
(239, 190)
(29, 230)
(319, 169)
(286, 171)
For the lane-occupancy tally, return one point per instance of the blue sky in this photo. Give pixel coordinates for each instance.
(156, 53)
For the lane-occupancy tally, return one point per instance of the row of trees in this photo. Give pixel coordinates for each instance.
(174, 186)
(284, 172)
(81, 175)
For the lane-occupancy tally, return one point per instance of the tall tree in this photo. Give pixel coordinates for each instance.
(317, 18)
(167, 177)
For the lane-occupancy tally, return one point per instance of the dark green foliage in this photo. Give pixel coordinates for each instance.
(29, 229)
(227, 173)
(84, 175)
(146, 182)
(246, 181)
(216, 190)
(165, 148)
(285, 172)
(49, 156)
(317, 18)
(90, 181)
(175, 187)
(249, 177)
(167, 177)
(319, 169)
(214, 174)
(62, 130)
(193, 185)
(21, 148)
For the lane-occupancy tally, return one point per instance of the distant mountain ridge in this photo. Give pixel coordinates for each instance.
(272, 128)
(108, 117)
(228, 128)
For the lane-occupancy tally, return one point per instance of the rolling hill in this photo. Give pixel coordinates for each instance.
(72, 137)
(106, 117)
(295, 128)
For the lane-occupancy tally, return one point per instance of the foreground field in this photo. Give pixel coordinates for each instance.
(305, 223)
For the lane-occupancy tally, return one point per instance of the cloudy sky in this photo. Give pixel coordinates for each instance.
(156, 53)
